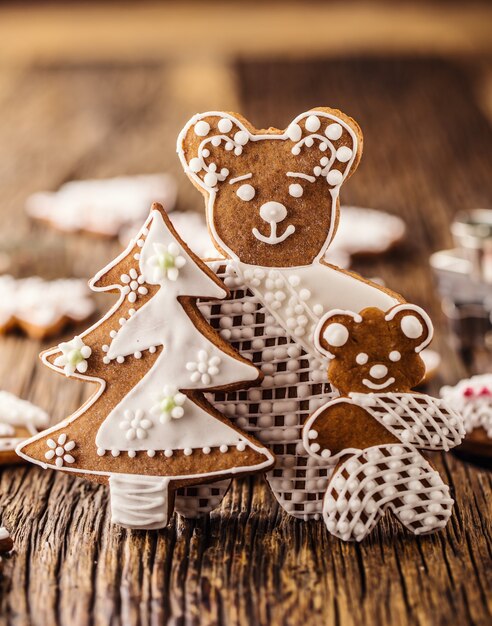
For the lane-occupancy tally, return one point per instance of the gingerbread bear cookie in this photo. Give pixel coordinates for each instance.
(272, 206)
(372, 433)
(148, 428)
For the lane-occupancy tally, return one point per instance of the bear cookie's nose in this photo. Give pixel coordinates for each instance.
(378, 371)
(273, 212)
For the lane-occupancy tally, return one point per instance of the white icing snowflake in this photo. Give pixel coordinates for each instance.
(204, 368)
(74, 356)
(136, 424)
(166, 262)
(169, 405)
(133, 285)
(59, 450)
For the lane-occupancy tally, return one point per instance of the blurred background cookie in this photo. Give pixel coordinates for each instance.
(19, 419)
(102, 207)
(364, 232)
(472, 397)
(42, 308)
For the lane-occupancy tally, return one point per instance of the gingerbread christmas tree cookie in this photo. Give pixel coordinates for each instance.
(148, 429)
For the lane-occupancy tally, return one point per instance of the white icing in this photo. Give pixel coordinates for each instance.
(205, 368)
(296, 190)
(246, 192)
(291, 294)
(149, 327)
(139, 502)
(59, 450)
(334, 131)
(17, 412)
(361, 358)
(394, 356)
(311, 179)
(164, 264)
(202, 128)
(411, 327)
(378, 371)
(74, 355)
(103, 206)
(178, 423)
(135, 424)
(336, 335)
(377, 386)
(169, 404)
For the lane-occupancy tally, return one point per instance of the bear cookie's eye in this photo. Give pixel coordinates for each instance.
(394, 356)
(295, 190)
(246, 192)
(361, 358)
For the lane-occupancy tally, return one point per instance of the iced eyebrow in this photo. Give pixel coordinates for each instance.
(311, 179)
(238, 178)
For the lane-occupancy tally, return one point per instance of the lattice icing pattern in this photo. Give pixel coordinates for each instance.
(472, 397)
(294, 386)
(394, 477)
(414, 418)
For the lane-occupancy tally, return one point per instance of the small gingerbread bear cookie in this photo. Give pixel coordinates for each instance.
(373, 431)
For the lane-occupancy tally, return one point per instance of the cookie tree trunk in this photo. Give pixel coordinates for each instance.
(148, 429)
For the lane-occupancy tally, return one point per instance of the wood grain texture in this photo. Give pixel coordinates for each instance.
(427, 154)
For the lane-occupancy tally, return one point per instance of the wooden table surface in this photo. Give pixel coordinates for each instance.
(427, 155)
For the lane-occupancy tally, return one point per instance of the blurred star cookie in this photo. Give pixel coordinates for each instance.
(42, 308)
(102, 207)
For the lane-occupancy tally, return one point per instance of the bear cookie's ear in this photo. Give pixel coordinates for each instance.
(412, 324)
(328, 144)
(334, 331)
(206, 144)
(323, 144)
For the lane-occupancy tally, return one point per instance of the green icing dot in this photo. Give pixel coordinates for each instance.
(168, 404)
(166, 261)
(74, 357)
